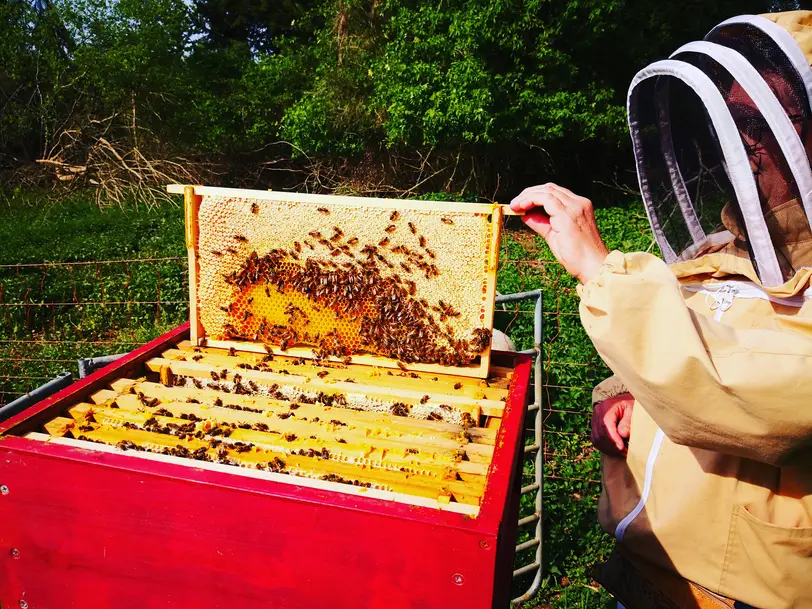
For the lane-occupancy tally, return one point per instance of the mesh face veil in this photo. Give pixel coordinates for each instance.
(722, 136)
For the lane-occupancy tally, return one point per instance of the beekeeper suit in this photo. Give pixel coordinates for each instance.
(716, 346)
(715, 342)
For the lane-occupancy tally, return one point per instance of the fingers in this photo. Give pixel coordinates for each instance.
(624, 427)
(611, 425)
(567, 196)
(610, 420)
(538, 196)
(538, 221)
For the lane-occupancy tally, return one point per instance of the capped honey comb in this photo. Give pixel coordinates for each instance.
(411, 284)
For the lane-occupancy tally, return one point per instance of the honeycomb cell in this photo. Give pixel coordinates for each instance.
(399, 284)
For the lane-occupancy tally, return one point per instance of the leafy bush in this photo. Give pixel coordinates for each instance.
(456, 96)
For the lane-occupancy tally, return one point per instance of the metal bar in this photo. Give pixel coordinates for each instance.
(522, 571)
(529, 519)
(533, 410)
(89, 365)
(530, 543)
(61, 381)
(503, 298)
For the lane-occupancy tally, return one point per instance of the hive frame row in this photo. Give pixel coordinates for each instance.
(121, 404)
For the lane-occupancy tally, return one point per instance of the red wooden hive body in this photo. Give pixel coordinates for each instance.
(83, 528)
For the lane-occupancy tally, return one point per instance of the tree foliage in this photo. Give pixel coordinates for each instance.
(401, 96)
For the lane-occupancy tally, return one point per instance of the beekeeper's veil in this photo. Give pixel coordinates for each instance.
(722, 136)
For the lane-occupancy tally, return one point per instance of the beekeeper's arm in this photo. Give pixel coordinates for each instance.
(738, 391)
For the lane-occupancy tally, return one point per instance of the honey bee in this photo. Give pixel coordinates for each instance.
(324, 211)
(217, 253)
(457, 386)
(424, 399)
(197, 358)
(384, 242)
(322, 374)
(391, 228)
(241, 238)
(231, 250)
(394, 216)
(430, 253)
(447, 220)
(422, 241)
(406, 267)
(412, 228)
(254, 208)
(246, 315)
(297, 246)
(353, 241)
(232, 351)
(197, 383)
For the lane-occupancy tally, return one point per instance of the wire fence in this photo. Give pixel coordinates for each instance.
(53, 313)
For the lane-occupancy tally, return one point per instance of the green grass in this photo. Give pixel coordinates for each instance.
(76, 230)
(106, 308)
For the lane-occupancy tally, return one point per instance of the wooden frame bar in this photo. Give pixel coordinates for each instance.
(192, 199)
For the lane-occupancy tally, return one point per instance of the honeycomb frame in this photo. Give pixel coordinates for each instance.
(247, 248)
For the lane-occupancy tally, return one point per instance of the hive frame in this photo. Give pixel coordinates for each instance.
(193, 196)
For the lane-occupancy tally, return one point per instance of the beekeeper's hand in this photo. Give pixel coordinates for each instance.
(567, 223)
(612, 424)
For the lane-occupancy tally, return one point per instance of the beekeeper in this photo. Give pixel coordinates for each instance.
(707, 471)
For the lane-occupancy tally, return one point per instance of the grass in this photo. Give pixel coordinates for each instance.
(151, 298)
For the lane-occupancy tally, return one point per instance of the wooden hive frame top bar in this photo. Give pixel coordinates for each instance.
(258, 261)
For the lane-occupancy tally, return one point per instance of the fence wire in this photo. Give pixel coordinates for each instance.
(53, 313)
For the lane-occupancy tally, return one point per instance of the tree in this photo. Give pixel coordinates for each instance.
(259, 23)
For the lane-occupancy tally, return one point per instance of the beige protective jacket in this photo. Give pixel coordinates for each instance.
(717, 484)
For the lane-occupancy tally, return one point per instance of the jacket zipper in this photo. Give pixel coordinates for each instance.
(724, 293)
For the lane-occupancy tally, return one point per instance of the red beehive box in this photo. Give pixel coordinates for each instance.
(186, 475)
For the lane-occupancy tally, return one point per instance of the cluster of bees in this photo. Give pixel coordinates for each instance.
(370, 283)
